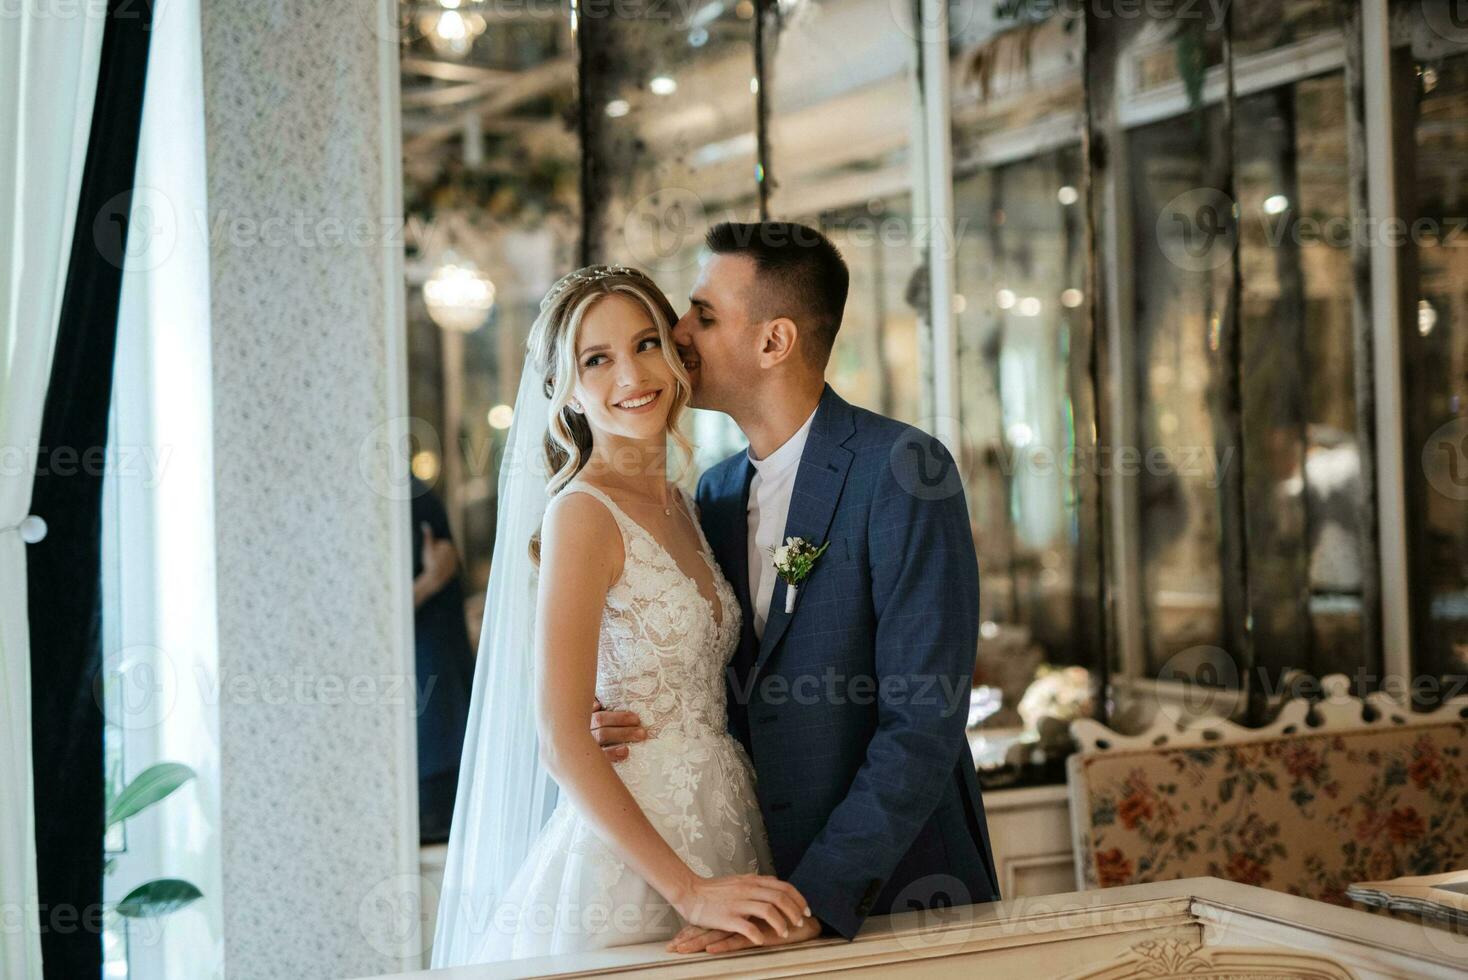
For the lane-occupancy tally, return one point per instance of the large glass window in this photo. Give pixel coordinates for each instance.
(492, 174)
(840, 122)
(1026, 390)
(1250, 526)
(1300, 465)
(1027, 413)
(875, 361)
(1433, 187)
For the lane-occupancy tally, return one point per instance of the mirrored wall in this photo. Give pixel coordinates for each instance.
(1159, 238)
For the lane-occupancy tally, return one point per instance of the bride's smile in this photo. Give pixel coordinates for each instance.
(639, 403)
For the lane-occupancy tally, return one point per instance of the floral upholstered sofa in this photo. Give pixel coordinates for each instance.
(1301, 806)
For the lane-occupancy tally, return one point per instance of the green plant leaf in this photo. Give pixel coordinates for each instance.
(147, 788)
(161, 896)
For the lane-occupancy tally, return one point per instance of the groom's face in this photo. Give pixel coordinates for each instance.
(718, 343)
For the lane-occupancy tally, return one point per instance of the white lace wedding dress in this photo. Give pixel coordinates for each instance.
(662, 652)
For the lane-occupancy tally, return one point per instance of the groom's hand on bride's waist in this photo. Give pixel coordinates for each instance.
(614, 730)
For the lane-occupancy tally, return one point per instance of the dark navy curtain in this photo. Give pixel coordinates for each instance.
(64, 569)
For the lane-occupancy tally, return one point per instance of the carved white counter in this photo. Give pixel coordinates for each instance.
(1029, 830)
(1194, 927)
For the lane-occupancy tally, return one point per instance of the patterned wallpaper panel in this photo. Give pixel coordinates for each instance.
(313, 699)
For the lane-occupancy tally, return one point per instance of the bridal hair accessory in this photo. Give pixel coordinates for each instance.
(793, 563)
(592, 273)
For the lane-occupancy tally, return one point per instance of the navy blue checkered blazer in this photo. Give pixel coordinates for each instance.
(853, 707)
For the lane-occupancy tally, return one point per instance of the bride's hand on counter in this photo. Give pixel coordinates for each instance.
(697, 939)
(750, 906)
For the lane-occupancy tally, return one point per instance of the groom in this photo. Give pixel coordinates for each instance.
(852, 706)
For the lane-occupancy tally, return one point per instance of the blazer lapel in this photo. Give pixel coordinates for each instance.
(726, 525)
(818, 484)
(736, 557)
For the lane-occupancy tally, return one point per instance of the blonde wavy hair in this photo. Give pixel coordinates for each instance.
(553, 354)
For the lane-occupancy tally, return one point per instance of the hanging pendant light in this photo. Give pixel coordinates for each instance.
(458, 295)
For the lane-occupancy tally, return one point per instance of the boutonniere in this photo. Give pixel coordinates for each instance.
(793, 562)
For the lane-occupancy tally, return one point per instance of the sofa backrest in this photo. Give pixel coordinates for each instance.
(1300, 809)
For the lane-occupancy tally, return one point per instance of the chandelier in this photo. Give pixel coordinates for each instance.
(453, 27)
(458, 295)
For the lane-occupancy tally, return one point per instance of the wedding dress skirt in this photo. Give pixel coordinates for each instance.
(662, 651)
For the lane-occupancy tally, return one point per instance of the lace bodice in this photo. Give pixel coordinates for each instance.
(662, 651)
(662, 648)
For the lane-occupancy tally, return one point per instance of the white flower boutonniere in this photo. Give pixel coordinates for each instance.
(793, 562)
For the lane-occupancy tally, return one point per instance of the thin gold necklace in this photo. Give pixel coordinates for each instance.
(667, 508)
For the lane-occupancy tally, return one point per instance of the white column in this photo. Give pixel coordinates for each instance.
(1391, 492)
(317, 740)
(937, 158)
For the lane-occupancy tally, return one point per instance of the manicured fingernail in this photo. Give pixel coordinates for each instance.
(807, 910)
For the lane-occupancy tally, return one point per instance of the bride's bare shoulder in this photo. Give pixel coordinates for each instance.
(581, 523)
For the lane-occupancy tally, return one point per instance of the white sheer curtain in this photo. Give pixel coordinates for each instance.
(48, 77)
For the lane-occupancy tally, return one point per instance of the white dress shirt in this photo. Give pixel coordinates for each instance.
(769, 505)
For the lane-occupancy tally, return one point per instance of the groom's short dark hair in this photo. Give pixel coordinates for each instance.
(801, 275)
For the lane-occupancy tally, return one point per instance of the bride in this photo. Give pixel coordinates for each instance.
(629, 609)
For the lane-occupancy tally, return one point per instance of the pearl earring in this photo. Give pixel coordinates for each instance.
(575, 406)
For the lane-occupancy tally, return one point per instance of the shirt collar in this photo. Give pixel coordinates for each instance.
(789, 452)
